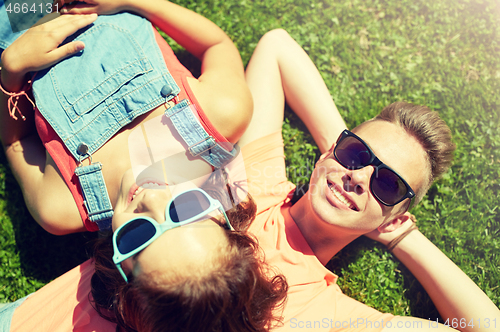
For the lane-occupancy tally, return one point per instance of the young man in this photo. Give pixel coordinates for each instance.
(362, 185)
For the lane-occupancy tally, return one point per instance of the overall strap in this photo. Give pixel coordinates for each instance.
(95, 195)
(199, 142)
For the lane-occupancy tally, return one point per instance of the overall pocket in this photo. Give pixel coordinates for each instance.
(111, 59)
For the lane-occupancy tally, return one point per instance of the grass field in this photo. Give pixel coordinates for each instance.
(444, 54)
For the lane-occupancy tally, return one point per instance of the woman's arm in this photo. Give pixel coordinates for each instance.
(280, 70)
(462, 304)
(38, 48)
(45, 194)
(221, 89)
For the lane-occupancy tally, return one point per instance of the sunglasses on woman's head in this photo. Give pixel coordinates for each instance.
(387, 186)
(138, 233)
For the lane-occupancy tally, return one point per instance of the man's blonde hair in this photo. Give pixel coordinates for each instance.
(431, 132)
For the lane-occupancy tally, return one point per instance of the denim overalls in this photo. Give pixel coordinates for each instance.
(90, 96)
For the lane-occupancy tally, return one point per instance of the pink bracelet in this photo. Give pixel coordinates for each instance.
(14, 99)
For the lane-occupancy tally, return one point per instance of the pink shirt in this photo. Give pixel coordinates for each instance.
(62, 306)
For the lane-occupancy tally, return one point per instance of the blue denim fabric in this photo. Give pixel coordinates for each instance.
(6, 34)
(95, 195)
(24, 14)
(119, 75)
(199, 142)
(6, 313)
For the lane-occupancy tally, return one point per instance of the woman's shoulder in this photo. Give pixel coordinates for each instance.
(228, 105)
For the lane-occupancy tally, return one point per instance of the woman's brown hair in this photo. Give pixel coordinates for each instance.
(240, 293)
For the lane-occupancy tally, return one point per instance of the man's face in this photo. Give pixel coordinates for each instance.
(343, 198)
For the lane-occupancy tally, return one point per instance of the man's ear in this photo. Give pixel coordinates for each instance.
(326, 154)
(395, 223)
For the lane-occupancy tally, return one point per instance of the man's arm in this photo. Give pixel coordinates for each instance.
(462, 304)
(280, 70)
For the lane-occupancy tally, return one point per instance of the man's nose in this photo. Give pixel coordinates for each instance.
(358, 180)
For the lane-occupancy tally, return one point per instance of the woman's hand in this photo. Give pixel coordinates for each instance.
(101, 7)
(39, 48)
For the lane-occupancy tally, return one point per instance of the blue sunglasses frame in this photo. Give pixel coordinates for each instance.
(118, 257)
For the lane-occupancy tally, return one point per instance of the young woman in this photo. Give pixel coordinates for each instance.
(102, 114)
(197, 277)
(123, 101)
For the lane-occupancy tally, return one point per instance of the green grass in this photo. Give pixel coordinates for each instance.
(444, 54)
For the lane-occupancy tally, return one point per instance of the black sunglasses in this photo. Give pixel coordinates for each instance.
(387, 186)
